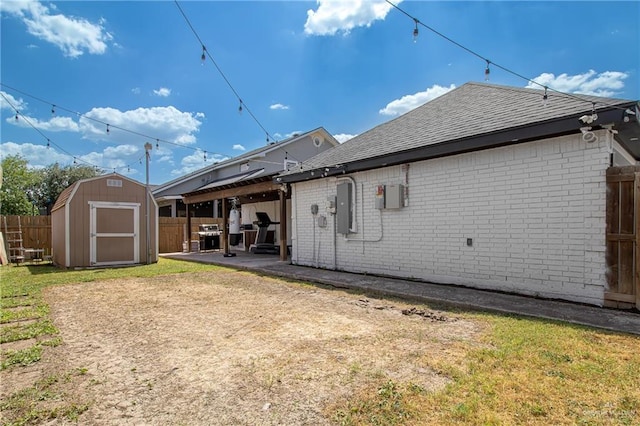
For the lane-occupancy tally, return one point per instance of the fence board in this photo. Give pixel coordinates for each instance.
(36, 230)
(172, 230)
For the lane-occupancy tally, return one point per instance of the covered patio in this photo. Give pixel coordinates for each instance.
(244, 189)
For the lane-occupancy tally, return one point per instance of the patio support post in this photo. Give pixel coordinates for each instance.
(188, 228)
(283, 224)
(225, 226)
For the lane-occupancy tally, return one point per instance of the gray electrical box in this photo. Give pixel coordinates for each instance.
(344, 208)
(394, 196)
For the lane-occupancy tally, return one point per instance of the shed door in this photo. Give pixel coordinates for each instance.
(114, 233)
(623, 237)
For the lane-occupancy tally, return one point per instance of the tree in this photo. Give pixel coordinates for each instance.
(53, 179)
(17, 183)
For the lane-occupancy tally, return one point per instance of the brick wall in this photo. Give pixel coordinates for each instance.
(535, 212)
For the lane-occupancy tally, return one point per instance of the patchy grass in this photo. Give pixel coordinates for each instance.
(44, 401)
(24, 315)
(21, 300)
(527, 372)
(521, 371)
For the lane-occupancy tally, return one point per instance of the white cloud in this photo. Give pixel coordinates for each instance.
(162, 92)
(166, 123)
(279, 106)
(38, 156)
(409, 102)
(343, 137)
(121, 151)
(74, 36)
(607, 83)
(10, 102)
(342, 16)
(196, 161)
(55, 124)
(135, 90)
(239, 147)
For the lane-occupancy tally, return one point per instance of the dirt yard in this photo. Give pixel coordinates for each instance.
(232, 348)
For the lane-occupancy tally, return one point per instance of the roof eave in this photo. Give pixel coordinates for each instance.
(557, 127)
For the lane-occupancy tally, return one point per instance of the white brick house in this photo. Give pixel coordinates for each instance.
(483, 187)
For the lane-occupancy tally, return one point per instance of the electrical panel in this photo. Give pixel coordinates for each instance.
(394, 196)
(344, 208)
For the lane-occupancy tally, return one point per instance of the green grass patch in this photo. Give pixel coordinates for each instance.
(523, 371)
(42, 402)
(29, 280)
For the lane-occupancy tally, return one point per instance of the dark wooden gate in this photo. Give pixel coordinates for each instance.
(623, 237)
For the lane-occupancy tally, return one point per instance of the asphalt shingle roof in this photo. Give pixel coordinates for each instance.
(470, 110)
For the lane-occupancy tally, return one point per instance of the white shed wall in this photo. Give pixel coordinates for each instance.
(535, 212)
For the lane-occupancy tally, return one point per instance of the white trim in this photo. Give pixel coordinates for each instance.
(94, 235)
(617, 148)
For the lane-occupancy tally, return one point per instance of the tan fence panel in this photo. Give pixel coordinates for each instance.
(171, 235)
(36, 230)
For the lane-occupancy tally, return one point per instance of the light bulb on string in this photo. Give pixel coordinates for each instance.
(487, 71)
(107, 129)
(53, 110)
(545, 97)
(128, 169)
(48, 143)
(415, 31)
(240, 107)
(205, 156)
(204, 56)
(157, 143)
(74, 160)
(16, 115)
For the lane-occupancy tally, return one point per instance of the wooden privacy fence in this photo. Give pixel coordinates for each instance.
(172, 231)
(36, 230)
(623, 237)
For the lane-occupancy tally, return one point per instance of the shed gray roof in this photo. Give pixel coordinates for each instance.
(466, 112)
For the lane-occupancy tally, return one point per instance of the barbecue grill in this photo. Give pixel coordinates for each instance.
(209, 237)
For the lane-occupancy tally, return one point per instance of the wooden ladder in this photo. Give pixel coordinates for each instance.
(15, 249)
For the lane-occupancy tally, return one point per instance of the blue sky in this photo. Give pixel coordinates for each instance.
(343, 65)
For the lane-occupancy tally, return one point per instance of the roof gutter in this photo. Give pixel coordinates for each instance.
(564, 126)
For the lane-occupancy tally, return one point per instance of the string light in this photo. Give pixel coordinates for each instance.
(545, 98)
(204, 56)
(569, 95)
(48, 143)
(415, 31)
(157, 143)
(487, 71)
(107, 129)
(205, 156)
(74, 160)
(53, 110)
(16, 115)
(240, 107)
